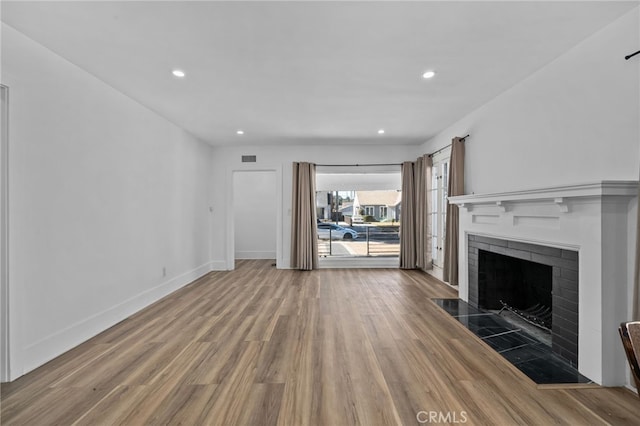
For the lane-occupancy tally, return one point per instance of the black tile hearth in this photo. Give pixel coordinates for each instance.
(510, 340)
(520, 348)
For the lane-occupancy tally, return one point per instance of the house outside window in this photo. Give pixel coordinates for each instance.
(381, 205)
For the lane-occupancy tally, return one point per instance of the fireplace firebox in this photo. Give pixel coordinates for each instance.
(518, 283)
(532, 280)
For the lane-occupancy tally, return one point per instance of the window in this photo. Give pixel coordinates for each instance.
(355, 200)
(438, 196)
(383, 212)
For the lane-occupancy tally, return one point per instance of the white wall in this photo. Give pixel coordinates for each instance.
(279, 158)
(103, 195)
(255, 214)
(576, 120)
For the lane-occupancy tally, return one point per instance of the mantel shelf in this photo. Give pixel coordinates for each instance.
(556, 194)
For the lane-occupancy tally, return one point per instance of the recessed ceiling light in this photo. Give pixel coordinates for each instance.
(381, 132)
(429, 74)
(178, 73)
(240, 132)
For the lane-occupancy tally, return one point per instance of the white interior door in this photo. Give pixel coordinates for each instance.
(255, 214)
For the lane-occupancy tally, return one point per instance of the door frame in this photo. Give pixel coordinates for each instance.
(230, 220)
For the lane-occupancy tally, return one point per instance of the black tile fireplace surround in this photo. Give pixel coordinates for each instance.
(541, 263)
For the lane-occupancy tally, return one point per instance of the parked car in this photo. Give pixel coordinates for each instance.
(336, 232)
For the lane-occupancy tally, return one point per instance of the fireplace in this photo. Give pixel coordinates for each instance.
(538, 282)
(583, 232)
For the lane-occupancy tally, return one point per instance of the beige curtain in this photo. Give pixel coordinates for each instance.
(408, 218)
(304, 237)
(415, 229)
(455, 187)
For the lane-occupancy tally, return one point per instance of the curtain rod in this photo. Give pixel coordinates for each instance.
(464, 138)
(632, 55)
(359, 165)
(385, 164)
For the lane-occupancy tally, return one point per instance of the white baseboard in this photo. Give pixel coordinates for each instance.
(44, 350)
(255, 255)
(358, 262)
(435, 271)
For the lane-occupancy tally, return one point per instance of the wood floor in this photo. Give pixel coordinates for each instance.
(260, 346)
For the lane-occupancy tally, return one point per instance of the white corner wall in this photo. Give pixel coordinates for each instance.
(108, 204)
(576, 120)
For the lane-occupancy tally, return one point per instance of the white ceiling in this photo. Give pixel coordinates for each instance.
(311, 72)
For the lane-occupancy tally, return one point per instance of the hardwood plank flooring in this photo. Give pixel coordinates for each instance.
(260, 346)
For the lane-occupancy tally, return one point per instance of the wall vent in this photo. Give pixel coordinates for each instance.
(248, 158)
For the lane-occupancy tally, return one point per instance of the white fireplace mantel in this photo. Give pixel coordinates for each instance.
(591, 218)
(556, 194)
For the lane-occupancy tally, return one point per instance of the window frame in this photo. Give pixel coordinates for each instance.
(384, 212)
(439, 203)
